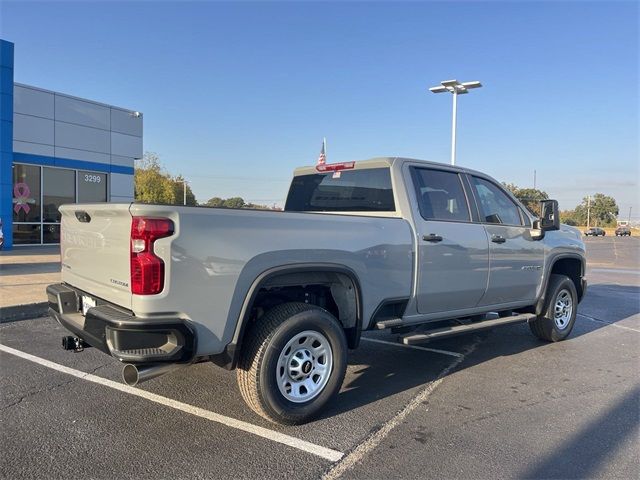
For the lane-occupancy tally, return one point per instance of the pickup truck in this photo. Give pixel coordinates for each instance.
(422, 249)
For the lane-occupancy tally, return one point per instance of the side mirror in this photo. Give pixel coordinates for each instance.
(536, 232)
(550, 219)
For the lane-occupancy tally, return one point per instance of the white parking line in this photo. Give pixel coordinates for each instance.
(415, 347)
(365, 448)
(607, 323)
(326, 453)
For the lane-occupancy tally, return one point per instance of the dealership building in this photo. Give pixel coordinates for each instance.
(56, 149)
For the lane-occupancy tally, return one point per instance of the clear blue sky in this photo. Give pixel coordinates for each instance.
(236, 95)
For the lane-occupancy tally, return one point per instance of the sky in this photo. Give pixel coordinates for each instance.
(236, 95)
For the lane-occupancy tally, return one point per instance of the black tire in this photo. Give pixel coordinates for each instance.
(258, 363)
(544, 326)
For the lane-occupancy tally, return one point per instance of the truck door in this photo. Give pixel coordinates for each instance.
(453, 254)
(516, 260)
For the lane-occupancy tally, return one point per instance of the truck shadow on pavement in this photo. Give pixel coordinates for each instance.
(387, 371)
(594, 445)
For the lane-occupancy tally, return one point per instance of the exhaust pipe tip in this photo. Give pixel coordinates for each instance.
(136, 374)
(130, 375)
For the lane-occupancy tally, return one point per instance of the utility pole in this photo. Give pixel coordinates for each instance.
(184, 192)
(534, 179)
(629, 219)
(588, 209)
(456, 88)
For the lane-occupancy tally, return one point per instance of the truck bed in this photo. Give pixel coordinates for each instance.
(215, 255)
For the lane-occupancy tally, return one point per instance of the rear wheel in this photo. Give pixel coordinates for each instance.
(293, 363)
(559, 315)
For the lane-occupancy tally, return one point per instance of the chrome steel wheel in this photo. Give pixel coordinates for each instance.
(563, 309)
(304, 366)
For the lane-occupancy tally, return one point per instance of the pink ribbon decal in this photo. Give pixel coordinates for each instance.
(21, 193)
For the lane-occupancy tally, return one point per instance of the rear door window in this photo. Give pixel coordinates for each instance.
(367, 190)
(440, 195)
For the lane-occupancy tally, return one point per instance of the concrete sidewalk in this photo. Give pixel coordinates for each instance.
(25, 272)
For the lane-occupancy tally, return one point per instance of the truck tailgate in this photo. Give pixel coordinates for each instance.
(95, 250)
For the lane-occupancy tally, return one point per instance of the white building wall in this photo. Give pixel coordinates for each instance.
(56, 125)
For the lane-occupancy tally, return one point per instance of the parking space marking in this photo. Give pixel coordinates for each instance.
(357, 454)
(323, 452)
(607, 323)
(415, 347)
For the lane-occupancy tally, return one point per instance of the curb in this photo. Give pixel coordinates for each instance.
(15, 313)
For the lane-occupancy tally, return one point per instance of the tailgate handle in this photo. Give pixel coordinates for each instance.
(83, 216)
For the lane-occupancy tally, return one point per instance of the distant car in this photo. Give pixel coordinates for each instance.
(595, 232)
(623, 231)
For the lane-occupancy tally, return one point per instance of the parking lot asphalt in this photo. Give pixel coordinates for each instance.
(498, 404)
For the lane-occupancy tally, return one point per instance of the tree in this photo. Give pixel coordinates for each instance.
(234, 202)
(215, 202)
(569, 217)
(602, 210)
(152, 184)
(237, 202)
(178, 186)
(530, 197)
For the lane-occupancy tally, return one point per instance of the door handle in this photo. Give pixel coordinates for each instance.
(432, 237)
(498, 239)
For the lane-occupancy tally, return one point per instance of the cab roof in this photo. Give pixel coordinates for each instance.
(381, 162)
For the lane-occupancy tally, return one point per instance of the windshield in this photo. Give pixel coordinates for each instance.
(366, 190)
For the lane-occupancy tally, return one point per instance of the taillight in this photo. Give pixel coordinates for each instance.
(147, 270)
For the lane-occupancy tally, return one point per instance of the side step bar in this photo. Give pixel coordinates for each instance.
(384, 324)
(461, 329)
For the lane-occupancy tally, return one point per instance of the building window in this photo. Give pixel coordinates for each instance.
(26, 233)
(38, 192)
(59, 187)
(26, 193)
(92, 187)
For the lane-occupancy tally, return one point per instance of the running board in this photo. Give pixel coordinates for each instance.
(461, 329)
(393, 322)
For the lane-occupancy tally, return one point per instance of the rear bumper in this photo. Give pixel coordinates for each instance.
(119, 333)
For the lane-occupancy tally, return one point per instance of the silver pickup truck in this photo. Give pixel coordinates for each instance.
(388, 243)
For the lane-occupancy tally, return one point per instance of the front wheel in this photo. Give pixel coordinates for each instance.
(293, 363)
(560, 311)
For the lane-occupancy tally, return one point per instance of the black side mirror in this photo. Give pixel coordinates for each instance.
(550, 219)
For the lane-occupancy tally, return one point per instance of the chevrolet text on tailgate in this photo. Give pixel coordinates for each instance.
(388, 243)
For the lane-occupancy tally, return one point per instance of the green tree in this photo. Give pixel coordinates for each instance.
(602, 211)
(215, 202)
(234, 202)
(151, 183)
(569, 217)
(178, 186)
(530, 197)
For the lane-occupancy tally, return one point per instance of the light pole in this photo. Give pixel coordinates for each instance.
(456, 88)
(184, 192)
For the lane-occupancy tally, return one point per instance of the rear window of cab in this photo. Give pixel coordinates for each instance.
(367, 190)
